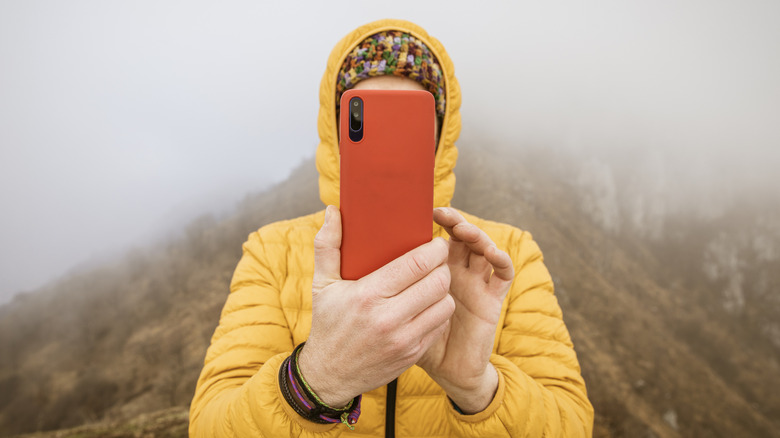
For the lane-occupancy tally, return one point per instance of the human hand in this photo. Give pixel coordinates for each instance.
(365, 333)
(481, 275)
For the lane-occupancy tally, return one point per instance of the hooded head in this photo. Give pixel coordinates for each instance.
(444, 84)
(393, 53)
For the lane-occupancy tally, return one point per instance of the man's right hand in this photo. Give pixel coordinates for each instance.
(365, 333)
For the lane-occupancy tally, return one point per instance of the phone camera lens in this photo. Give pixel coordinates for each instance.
(356, 119)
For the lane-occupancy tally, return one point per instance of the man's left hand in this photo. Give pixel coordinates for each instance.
(459, 361)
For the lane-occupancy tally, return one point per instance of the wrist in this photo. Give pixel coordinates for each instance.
(300, 397)
(475, 398)
(324, 384)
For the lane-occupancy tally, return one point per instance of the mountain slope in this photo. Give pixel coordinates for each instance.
(662, 349)
(656, 360)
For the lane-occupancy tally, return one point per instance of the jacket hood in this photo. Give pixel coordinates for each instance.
(328, 149)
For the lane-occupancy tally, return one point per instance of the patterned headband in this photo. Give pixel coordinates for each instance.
(392, 53)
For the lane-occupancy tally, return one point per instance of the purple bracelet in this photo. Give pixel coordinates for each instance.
(317, 412)
(295, 386)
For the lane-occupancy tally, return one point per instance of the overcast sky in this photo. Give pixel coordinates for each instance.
(120, 121)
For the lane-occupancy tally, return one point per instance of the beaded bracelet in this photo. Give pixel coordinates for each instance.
(306, 403)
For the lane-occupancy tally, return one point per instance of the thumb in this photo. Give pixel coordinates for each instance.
(327, 250)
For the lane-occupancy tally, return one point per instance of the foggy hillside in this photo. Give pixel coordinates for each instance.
(673, 310)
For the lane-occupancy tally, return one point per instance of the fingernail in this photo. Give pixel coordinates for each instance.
(442, 210)
(327, 215)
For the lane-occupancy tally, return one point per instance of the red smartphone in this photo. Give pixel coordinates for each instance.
(387, 149)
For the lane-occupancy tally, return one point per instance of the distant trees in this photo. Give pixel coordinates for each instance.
(641, 284)
(129, 336)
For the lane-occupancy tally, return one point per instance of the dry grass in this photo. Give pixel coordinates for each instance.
(168, 423)
(661, 354)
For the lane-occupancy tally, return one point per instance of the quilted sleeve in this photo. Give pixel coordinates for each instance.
(237, 394)
(541, 392)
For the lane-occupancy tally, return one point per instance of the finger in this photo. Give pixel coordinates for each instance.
(416, 298)
(430, 338)
(478, 263)
(448, 217)
(327, 250)
(503, 269)
(477, 240)
(432, 318)
(459, 252)
(460, 229)
(399, 274)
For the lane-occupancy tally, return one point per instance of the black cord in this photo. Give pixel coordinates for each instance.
(390, 409)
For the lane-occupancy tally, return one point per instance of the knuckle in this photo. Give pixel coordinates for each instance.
(442, 311)
(442, 248)
(320, 240)
(317, 286)
(364, 301)
(440, 279)
(450, 305)
(410, 348)
(385, 327)
(417, 349)
(396, 347)
(430, 339)
(417, 264)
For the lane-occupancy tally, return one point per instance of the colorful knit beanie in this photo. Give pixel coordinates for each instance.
(396, 53)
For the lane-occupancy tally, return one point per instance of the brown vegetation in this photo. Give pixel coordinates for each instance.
(675, 326)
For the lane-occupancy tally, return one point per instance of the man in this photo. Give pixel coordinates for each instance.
(466, 333)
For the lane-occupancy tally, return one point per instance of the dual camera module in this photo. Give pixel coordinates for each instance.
(356, 119)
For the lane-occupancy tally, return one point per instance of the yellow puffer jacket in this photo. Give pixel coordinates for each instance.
(268, 312)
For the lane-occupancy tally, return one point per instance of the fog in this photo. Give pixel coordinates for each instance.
(120, 122)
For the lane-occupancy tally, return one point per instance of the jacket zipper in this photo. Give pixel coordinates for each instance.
(390, 409)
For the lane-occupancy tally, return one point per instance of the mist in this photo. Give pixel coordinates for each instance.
(121, 122)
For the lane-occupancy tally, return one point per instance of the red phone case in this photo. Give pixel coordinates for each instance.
(386, 178)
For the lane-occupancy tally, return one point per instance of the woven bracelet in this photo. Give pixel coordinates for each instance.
(284, 384)
(310, 391)
(306, 403)
(347, 415)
